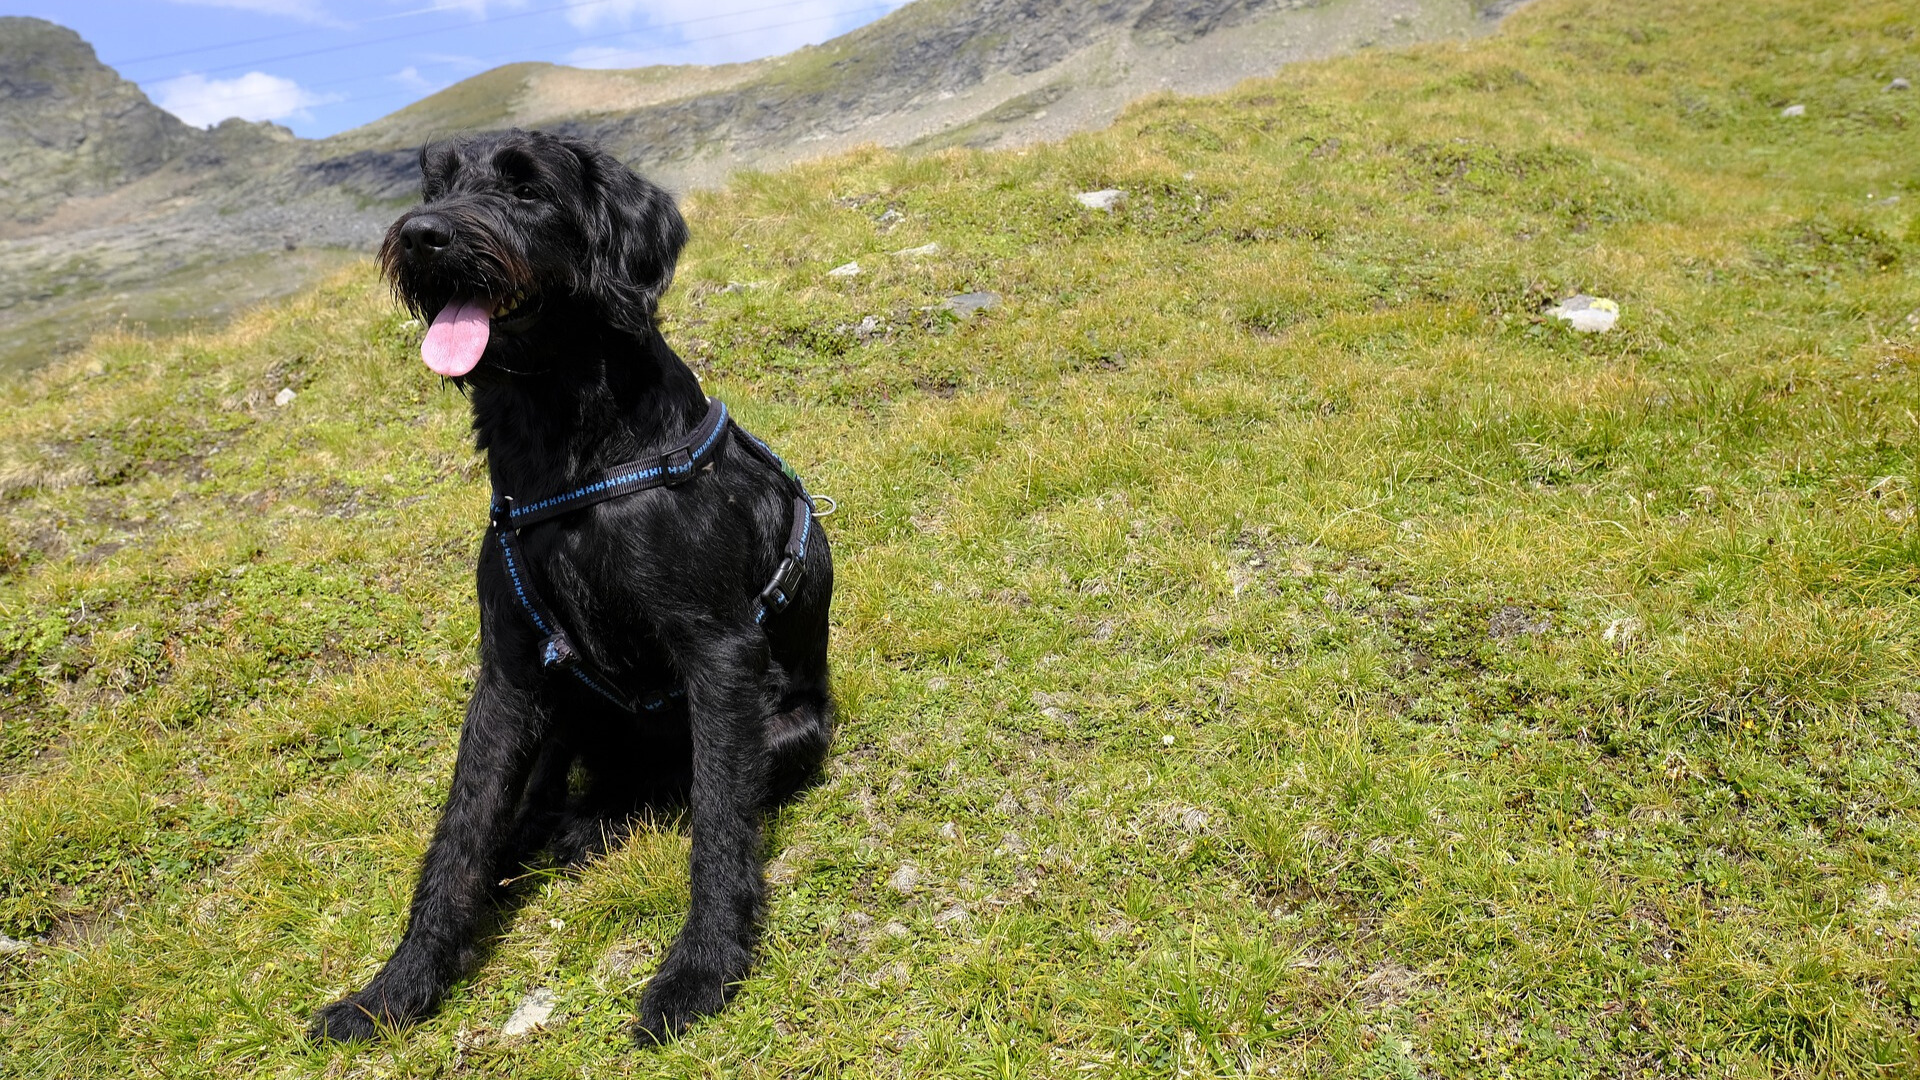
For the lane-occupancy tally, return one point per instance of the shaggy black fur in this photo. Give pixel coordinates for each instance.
(656, 588)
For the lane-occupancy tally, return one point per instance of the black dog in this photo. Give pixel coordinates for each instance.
(653, 594)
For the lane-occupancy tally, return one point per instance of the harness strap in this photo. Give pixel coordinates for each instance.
(779, 592)
(672, 467)
(557, 651)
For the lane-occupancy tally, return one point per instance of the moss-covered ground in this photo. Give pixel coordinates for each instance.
(1272, 647)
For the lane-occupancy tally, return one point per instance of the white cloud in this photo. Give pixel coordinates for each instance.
(591, 13)
(307, 11)
(201, 101)
(479, 9)
(411, 78)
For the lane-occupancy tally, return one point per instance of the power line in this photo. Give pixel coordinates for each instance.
(576, 4)
(525, 50)
(117, 64)
(577, 39)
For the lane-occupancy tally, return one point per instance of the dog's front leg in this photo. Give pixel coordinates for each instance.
(498, 745)
(727, 704)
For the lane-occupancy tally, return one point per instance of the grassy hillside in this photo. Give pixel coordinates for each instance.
(1271, 646)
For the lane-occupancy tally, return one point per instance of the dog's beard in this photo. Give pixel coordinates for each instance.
(477, 290)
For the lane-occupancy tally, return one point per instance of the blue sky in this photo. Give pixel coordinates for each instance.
(323, 66)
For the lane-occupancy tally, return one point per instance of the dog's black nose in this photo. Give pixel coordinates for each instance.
(424, 236)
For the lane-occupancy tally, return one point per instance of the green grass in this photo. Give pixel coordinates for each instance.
(1277, 649)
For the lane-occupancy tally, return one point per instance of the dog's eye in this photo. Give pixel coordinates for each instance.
(527, 192)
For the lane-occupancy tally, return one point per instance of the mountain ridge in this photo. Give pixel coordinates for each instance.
(116, 206)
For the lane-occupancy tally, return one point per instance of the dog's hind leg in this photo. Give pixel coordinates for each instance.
(801, 729)
(797, 740)
(543, 803)
(473, 845)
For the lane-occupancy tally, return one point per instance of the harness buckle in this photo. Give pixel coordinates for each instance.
(500, 516)
(678, 463)
(557, 652)
(775, 597)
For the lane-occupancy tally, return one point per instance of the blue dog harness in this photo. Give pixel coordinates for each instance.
(557, 651)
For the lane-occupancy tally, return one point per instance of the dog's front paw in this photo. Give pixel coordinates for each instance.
(347, 1020)
(676, 996)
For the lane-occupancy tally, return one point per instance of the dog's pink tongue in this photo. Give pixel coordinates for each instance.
(457, 338)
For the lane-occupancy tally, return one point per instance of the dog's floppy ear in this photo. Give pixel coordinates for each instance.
(634, 234)
(437, 163)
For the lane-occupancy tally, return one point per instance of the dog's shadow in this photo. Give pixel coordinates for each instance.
(571, 848)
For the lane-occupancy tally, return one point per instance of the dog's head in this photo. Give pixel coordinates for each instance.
(522, 236)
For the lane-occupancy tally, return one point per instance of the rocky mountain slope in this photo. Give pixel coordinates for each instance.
(118, 213)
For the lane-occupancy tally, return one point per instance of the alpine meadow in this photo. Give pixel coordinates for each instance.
(1266, 643)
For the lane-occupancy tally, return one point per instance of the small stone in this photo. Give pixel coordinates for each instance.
(1900, 84)
(1793, 110)
(742, 286)
(966, 304)
(9, 946)
(1587, 314)
(285, 397)
(1104, 199)
(532, 1014)
(918, 252)
(890, 217)
(1166, 740)
(949, 831)
(905, 879)
(845, 270)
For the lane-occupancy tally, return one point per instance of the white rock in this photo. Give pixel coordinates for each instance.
(1587, 314)
(918, 252)
(1794, 110)
(285, 397)
(9, 946)
(1166, 740)
(1899, 84)
(965, 305)
(1104, 199)
(844, 270)
(949, 831)
(531, 1014)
